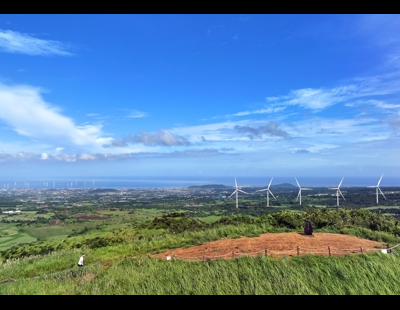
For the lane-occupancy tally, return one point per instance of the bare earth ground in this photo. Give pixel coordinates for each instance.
(282, 244)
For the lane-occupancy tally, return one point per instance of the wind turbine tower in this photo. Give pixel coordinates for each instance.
(237, 190)
(378, 190)
(338, 192)
(268, 192)
(301, 189)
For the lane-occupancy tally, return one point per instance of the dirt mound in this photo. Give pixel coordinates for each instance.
(282, 244)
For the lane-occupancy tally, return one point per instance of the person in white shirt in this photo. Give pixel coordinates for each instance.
(80, 263)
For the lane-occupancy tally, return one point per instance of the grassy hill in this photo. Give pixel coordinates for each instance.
(119, 262)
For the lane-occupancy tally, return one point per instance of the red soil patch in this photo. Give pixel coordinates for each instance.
(282, 244)
(84, 217)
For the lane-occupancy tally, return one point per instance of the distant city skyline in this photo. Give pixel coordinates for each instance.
(200, 97)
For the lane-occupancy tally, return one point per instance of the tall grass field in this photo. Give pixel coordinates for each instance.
(375, 274)
(120, 262)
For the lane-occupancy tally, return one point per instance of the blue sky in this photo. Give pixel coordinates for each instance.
(199, 95)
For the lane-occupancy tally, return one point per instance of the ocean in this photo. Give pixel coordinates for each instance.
(182, 182)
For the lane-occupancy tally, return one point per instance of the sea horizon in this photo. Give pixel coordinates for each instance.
(184, 182)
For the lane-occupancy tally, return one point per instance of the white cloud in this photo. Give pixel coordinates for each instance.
(260, 111)
(377, 103)
(266, 110)
(136, 114)
(315, 99)
(322, 98)
(23, 109)
(84, 157)
(159, 138)
(21, 43)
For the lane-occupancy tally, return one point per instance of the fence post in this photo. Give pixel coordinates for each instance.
(329, 251)
(362, 250)
(9, 280)
(233, 254)
(266, 252)
(204, 258)
(298, 250)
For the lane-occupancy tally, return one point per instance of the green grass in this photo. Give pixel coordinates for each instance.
(382, 207)
(25, 216)
(375, 274)
(46, 232)
(57, 273)
(209, 219)
(15, 240)
(11, 237)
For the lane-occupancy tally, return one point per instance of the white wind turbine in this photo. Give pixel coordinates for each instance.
(378, 190)
(237, 190)
(337, 189)
(268, 192)
(301, 189)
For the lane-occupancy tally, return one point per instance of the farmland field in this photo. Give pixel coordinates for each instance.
(10, 236)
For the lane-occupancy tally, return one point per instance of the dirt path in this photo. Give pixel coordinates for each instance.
(277, 244)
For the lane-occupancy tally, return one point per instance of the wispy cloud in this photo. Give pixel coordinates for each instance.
(136, 114)
(23, 110)
(319, 99)
(21, 43)
(314, 99)
(159, 138)
(380, 104)
(270, 110)
(266, 110)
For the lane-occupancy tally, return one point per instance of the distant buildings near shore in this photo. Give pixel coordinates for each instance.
(11, 212)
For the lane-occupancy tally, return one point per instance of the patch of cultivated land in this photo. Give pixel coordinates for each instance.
(88, 218)
(281, 244)
(9, 236)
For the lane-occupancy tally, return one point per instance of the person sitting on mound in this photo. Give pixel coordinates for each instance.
(308, 229)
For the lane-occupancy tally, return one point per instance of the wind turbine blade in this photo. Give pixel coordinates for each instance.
(342, 195)
(297, 183)
(242, 191)
(233, 193)
(381, 193)
(307, 189)
(235, 183)
(262, 190)
(298, 195)
(341, 182)
(272, 195)
(270, 183)
(379, 183)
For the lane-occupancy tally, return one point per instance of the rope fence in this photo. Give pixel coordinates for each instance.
(7, 281)
(329, 251)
